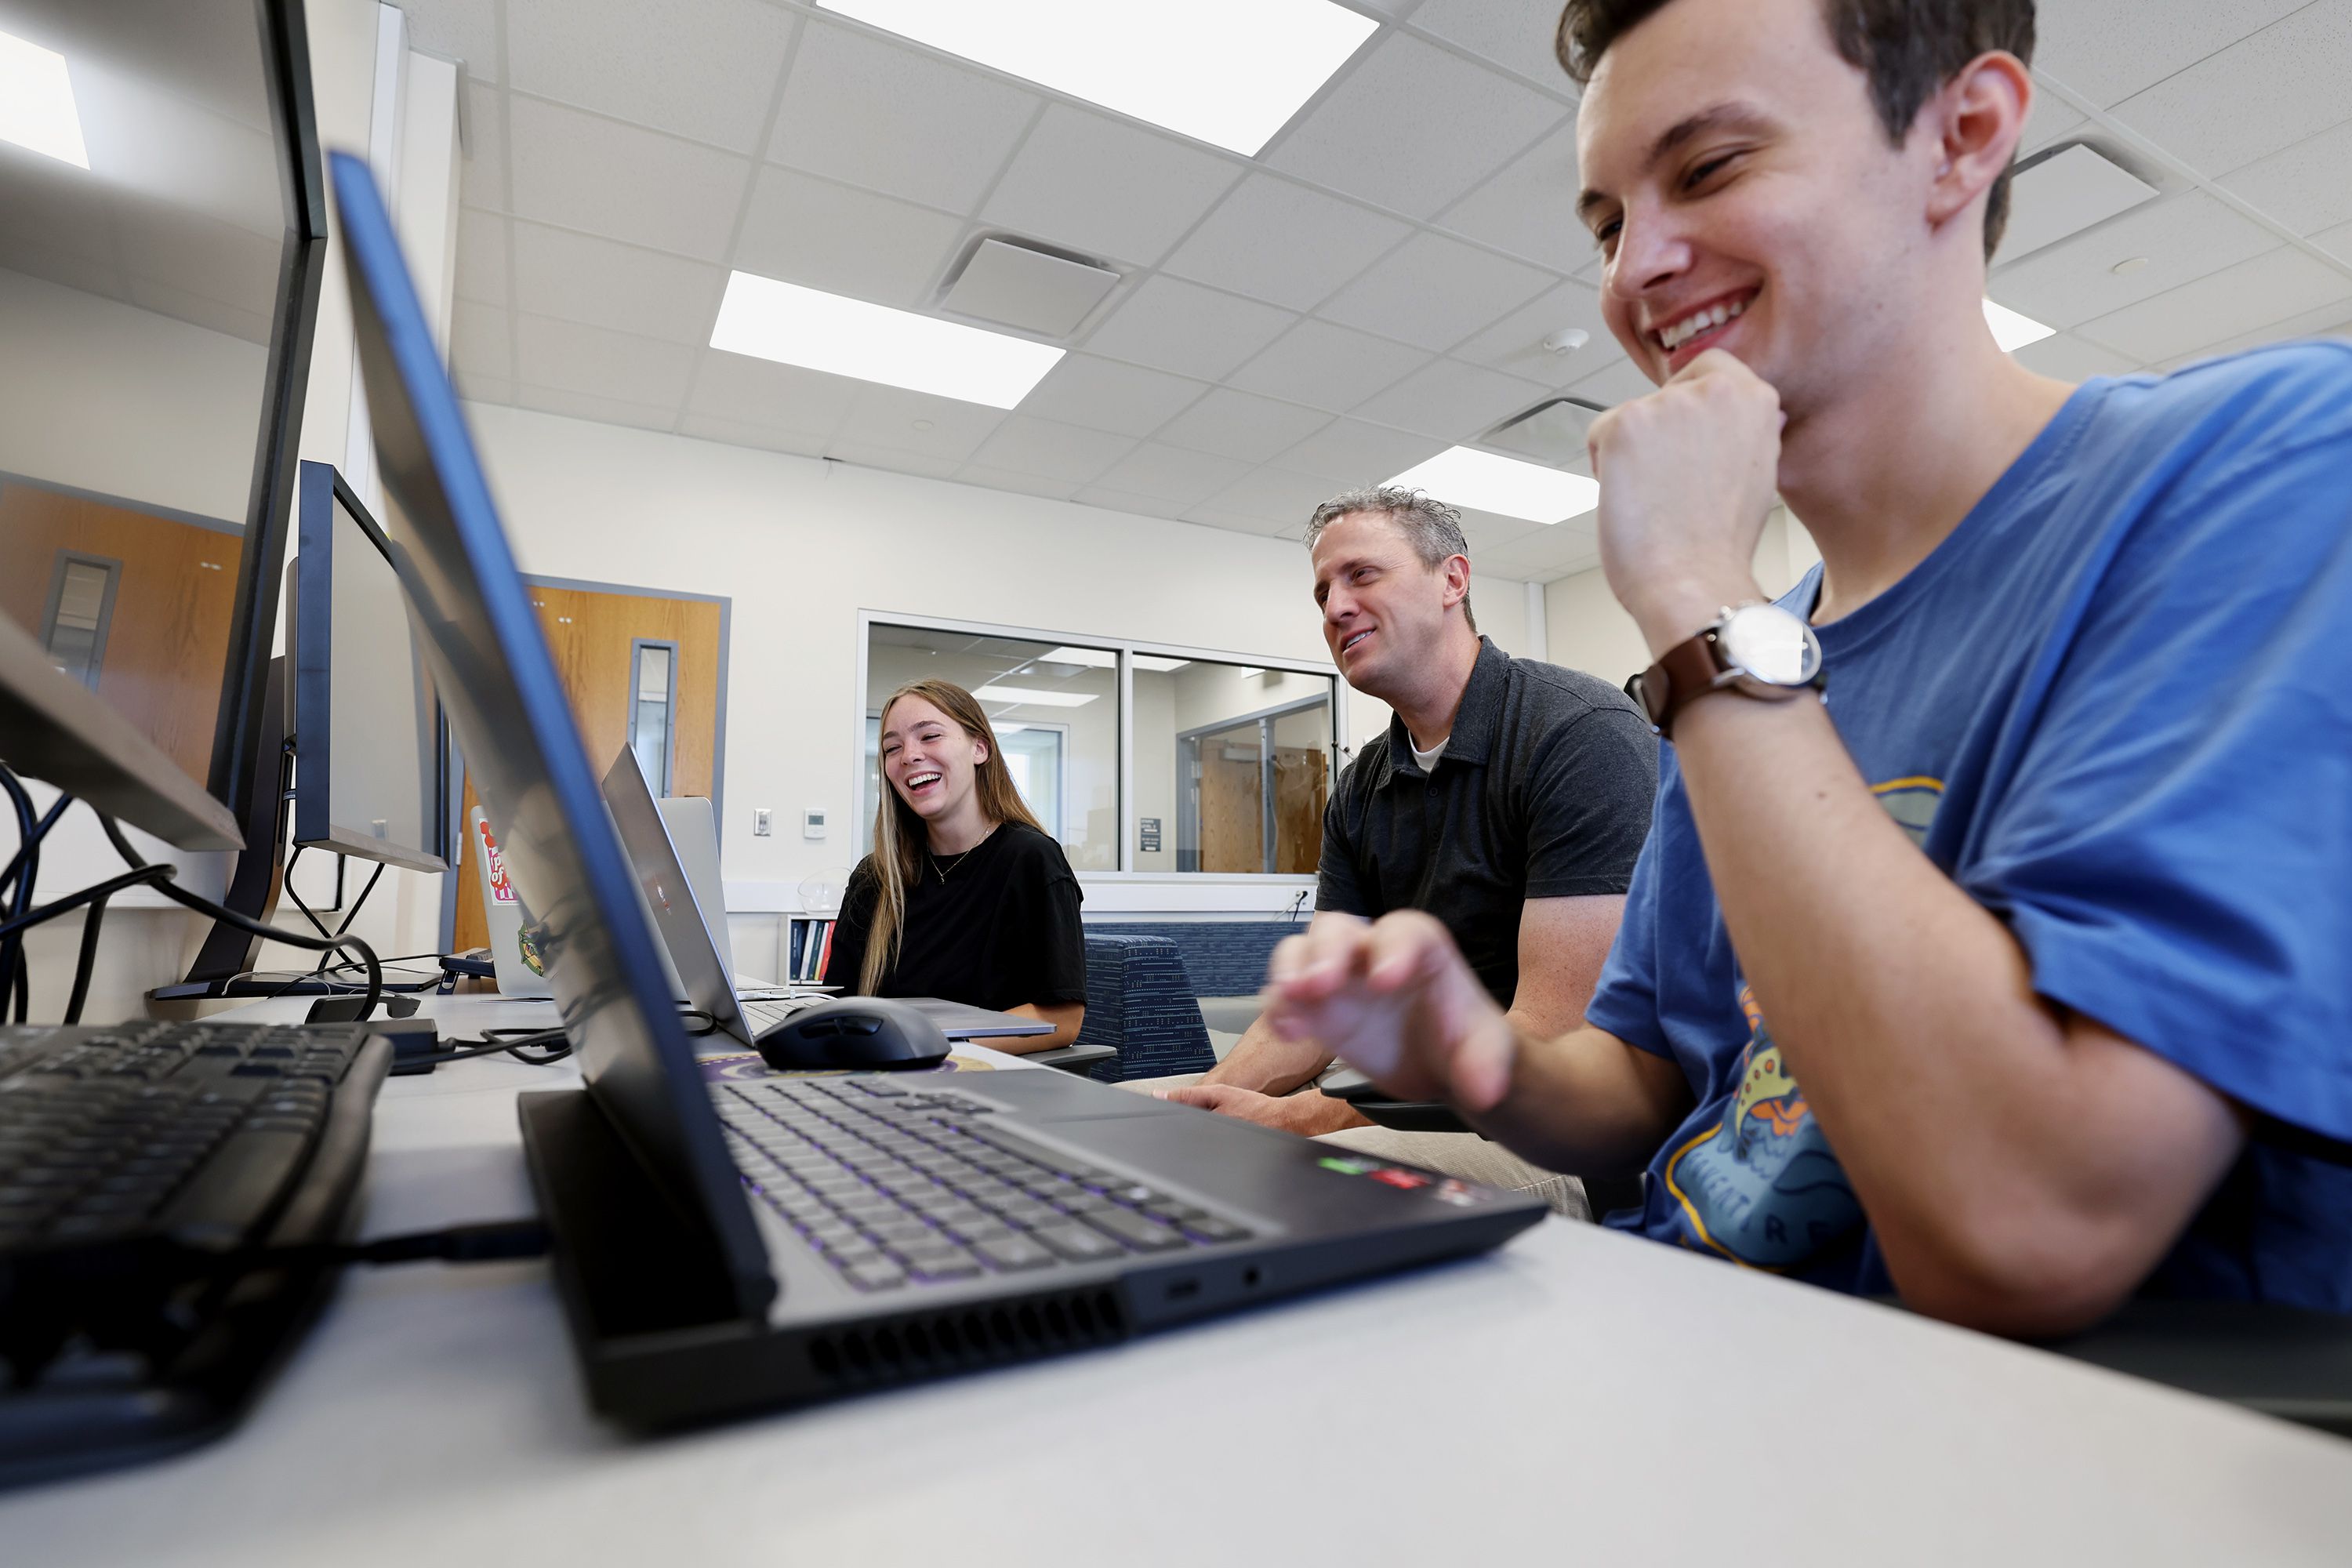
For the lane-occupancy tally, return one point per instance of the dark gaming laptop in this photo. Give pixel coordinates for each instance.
(723, 1245)
(686, 931)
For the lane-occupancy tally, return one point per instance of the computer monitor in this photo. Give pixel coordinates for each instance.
(370, 759)
(161, 236)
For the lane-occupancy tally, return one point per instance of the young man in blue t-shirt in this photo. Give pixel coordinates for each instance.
(2017, 975)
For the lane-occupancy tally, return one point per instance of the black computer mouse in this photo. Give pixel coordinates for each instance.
(870, 1032)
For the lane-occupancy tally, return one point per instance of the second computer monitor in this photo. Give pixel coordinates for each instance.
(371, 777)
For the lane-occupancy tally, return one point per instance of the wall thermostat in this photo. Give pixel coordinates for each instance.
(812, 823)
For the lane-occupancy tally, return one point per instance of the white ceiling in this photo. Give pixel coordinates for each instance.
(1371, 289)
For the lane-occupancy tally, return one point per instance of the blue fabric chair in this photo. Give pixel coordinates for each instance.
(1224, 958)
(1139, 1002)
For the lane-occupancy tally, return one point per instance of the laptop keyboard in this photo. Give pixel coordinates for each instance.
(896, 1187)
(765, 1016)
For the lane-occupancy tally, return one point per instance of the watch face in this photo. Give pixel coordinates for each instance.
(1771, 645)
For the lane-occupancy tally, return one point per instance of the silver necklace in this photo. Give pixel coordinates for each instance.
(960, 859)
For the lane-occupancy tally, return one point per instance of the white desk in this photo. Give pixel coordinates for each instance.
(1578, 1397)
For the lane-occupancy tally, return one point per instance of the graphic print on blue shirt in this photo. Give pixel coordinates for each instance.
(1761, 1186)
(2125, 666)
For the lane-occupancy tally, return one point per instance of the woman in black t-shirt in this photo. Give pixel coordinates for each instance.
(965, 897)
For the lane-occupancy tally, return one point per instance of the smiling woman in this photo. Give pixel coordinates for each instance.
(966, 896)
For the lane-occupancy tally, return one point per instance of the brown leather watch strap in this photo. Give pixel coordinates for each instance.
(1689, 668)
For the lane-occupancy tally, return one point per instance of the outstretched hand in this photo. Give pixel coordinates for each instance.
(1396, 1001)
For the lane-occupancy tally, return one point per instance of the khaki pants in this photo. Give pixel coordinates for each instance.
(1463, 1154)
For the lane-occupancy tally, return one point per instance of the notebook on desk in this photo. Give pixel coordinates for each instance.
(723, 1246)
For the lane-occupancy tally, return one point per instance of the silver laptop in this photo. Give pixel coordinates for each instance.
(704, 976)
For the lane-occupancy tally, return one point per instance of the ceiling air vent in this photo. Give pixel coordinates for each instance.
(2067, 193)
(1012, 283)
(1551, 432)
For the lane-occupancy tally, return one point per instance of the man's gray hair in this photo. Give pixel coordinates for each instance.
(1428, 524)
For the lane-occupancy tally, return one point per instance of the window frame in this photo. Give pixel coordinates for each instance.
(638, 647)
(1126, 648)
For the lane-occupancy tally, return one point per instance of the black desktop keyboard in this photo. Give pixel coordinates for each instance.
(140, 1165)
(897, 1185)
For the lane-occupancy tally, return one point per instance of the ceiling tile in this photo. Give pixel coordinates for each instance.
(1026, 484)
(1276, 495)
(1512, 33)
(2051, 118)
(1620, 382)
(1515, 343)
(743, 433)
(1490, 532)
(481, 340)
(2070, 358)
(772, 396)
(1210, 515)
(464, 30)
(1049, 449)
(895, 419)
(2307, 186)
(1327, 366)
(482, 175)
(2284, 83)
(874, 113)
(1449, 399)
(1411, 127)
(2333, 320)
(1172, 325)
(1103, 395)
(2183, 238)
(708, 71)
(2337, 242)
(603, 410)
(1432, 292)
(1529, 208)
(1106, 188)
(891, 460)
(1241, 425)
(826, 235)
(577, 171)
(2108, 49)
(1351, 452)
(1127, 501)
(485, 389)
(604, 283)
(2234, 301)
(481, 256)
(571, 357)
(1279, 241)
(1178, 479)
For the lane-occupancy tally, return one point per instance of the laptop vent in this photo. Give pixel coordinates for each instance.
(931, 1344)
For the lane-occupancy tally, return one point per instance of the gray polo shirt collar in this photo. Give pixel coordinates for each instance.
(1474, 724)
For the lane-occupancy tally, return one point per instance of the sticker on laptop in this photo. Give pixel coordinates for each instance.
(1445, 1189)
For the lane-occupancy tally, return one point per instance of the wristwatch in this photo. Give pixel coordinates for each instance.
(1757, 650)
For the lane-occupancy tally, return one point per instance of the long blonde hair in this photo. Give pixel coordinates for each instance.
(900, 839)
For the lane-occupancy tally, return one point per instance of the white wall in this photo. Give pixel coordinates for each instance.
(1591, 632)
(802, 545)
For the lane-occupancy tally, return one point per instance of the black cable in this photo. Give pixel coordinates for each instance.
(552, 1044)
(286, 880)
(87, 962)
(246, 923)
(40, 831)
(26, 869)
(160, 876)
(491, 1242)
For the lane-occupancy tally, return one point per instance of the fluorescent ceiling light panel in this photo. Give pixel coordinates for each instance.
(1153, 661)
(2013, 332)
(1092, 657)
(36, 102)
(1023, 696)
(1481, 480)
(1229, 72)
(817, 330)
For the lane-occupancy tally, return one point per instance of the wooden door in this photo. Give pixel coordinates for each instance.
(1301, 787)
(1232, 802)
(594, 638)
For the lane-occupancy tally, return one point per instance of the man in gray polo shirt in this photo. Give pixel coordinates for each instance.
(1508, 798)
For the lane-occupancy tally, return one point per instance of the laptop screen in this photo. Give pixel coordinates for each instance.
(474, 620)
